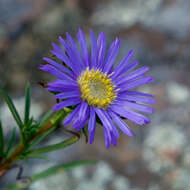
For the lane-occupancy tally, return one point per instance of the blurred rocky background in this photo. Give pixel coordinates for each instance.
(158, 158)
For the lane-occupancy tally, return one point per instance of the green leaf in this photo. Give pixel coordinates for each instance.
(55, 170)
(27, 104)
(45, 117)
(40, 138)
(11, 142)
(60, 169)
(54, 147)
(1, 141)
(12, 108)
(54, 117)
(30, 121)
(36, 156)
(49, 118)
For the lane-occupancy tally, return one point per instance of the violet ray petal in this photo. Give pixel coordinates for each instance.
(111, 56)
(64, 58)
(103, 118)
(82, 111)
(138, 93)
(128, 68)
(92, 120)
(83, 46)
(136, 83)
(129, 114)
(57, 48)
(93, 49)
(133, 75)
(113, 139)
(79, 123)
(106, 138)
(115, 131)
(121, 124)
(69, 94)
(138, 107)
(74, 49)
(72, 56)
(55, 72)
(101, 46)
(137, 98)
(122, 64)
(61, 89)
(91, 135)
(58, 66)
(68, 120)
(65, 103)
(63, 83)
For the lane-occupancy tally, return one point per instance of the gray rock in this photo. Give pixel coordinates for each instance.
(177, 93)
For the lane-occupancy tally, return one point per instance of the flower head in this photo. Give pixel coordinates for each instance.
(97, 88)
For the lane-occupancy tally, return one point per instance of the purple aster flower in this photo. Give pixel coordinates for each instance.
(96, 88)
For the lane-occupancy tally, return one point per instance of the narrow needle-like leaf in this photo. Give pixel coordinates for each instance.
(45, 117)
(11, 142)
(55, 147)
(1, 141)
(27, 104)
(60, 169)
(12, 108)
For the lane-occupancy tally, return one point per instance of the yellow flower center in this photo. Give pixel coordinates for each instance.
(96, 88)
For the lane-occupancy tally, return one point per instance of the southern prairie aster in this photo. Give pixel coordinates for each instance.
(96, 88)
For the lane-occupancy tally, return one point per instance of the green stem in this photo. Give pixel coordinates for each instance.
(54, 147)
(46, 126)
(58, 169)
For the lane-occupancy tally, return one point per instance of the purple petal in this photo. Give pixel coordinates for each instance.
(63, 83)
(92, 120)
(93, 49)
(60, 54)
(133, 75)
(121, 124)
(65, 103)
(68, 120)
(91, 135)
(82, 117)
(83, 46)
(120, 67)
(113, 139)
(115, 131)
(74, 49)
(107, 139)
(139, 107)
(69, 94)
(92, 125)
(138, 93)
(136, 83)
(101, 46)
(55, 72)
(129, 114)
(128, 68)
(103, 118)
(60, 86)
(60, 89)
(76, 67)
(136, 97)
(57, 65)
(112, 54)
(82, 111)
